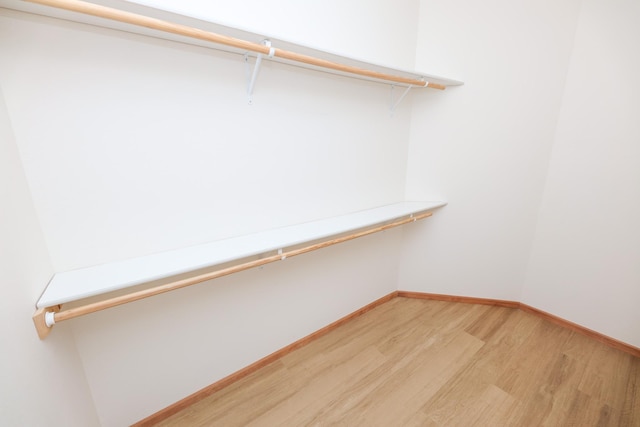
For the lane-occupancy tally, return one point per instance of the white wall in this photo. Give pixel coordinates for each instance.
(585, 264)
(484, 147)
(137, 135)
(383, 32)
(134, 145)
(41, 382)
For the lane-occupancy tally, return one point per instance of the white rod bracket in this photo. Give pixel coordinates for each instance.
(282, 257)
(251, 79)
(394, 105)
(50, 318)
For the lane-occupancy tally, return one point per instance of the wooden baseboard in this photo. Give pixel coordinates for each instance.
(612, 342)
(236, 376)
(207, 391)
(456, 298)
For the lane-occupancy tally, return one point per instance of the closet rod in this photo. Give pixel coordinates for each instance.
(183, 30)
(45, 318)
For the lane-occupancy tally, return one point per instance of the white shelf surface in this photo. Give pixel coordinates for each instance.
(218, 29)
(91, 281)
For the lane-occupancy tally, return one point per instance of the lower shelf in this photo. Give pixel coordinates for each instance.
(88, 282)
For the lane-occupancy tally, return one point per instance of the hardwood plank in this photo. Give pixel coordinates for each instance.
(420, 362)
(584, 410)
(300, 408)
(484, 370)
(630, 412)
(189, 401)
(403, 349)
(525, 373)
(611, 342)
(492, 406)
(404, 390)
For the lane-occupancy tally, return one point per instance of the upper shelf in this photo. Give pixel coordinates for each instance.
(135, 18)
(86, 282)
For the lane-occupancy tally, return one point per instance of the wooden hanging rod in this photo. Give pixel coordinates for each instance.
(183, 30)
(56, 316)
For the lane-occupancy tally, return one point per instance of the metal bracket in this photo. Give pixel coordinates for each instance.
(251, 77)
(393, 105)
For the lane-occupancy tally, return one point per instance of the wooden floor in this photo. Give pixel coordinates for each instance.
(412, 362)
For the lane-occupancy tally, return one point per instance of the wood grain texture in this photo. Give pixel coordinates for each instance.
(459, 298)
(620, 345)
(260, 364)
(633, 350)
(40, 323)
(423, 362)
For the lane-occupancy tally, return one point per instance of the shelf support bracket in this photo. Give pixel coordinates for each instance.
(393, 105)
(44, 319)
(251, 77)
